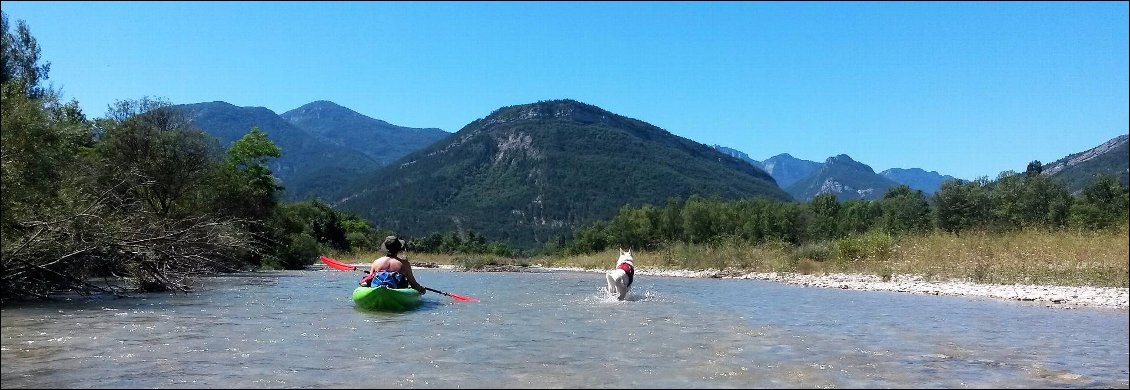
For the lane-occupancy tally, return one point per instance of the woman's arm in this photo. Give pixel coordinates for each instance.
(406, 269)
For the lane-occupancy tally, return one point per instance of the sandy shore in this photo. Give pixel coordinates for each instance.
(1051, 296)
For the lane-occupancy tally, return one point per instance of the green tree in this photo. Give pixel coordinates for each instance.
(249, 188)
(960, 206)
(1102, 204)
(785, 222)
(593, 238)
(1022, 201)
(161, 158)
(858, 216)
(635, 227)
(905, 210)
(825, 211)
(19, 62)
(697, 216)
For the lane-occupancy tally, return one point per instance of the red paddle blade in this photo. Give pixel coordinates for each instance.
(337, 264)
(462, 298)
(456, 297)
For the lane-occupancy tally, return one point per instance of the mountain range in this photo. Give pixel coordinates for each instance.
(325, 146)
(528, 173)
(841, 175)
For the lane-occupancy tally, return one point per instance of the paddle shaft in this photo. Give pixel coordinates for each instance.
(347, 267)
(436, 291)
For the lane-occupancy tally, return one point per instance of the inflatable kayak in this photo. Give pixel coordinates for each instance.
(386, 299)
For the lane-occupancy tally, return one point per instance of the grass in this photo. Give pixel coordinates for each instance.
(1062, 258)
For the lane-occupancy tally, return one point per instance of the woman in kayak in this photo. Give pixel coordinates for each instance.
(391, 270)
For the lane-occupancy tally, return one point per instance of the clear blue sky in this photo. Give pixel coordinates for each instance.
(967, 89)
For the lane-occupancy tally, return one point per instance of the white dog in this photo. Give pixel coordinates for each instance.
(620, 278)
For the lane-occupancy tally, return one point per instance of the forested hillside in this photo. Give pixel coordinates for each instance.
(526, 174)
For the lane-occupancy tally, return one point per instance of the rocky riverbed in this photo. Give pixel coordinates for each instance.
(1051, 296)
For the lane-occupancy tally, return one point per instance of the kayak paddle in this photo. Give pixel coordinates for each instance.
(453, 296)
(346, 267)
(338, 265)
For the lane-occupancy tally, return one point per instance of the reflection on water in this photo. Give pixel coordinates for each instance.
(300, 329)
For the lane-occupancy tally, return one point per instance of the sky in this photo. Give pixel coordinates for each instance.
(967, 89)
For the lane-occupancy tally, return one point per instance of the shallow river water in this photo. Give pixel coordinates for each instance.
(556, 329)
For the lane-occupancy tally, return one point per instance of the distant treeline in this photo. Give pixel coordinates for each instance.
(1012, 202)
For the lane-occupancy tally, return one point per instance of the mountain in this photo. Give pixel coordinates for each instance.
(741, 156)
(917, 178)
(844, 177)
(1079, 169)
(528, 174)
(381, 141)
(325, 147)
(784, 168)
(787, 169)
(308, 164)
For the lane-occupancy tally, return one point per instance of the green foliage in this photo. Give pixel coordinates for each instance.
(474, 261)
(453, 243)
(858, 216)
(157, 156)
(1030, 201)
(295, 251)
(904, 210)
(20, 67)
(874, 245)
(39, 142)
(698, 217)
(817, 251)
(636, 227)
(252, 150)
(298, 232)
(862, 229)
(139, 194)
(825, 216)
(960, 206)
(1102, 206)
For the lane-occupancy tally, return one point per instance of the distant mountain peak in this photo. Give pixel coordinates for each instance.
(566, 109)
(1080, 169)
(917, 178)
(325, 108)
(1085, 156)
(846, 161)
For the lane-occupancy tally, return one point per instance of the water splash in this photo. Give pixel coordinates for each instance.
(602, 295)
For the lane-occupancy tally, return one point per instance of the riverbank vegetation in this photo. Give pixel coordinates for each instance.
(1019, 229)
(1096, 258)
(138, 200)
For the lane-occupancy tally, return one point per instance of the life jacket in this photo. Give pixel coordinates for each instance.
(389, 279)
(629, 270)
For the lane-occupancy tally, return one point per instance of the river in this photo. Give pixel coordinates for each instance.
(298, 329)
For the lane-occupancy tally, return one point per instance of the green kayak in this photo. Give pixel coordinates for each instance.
(386, 299)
